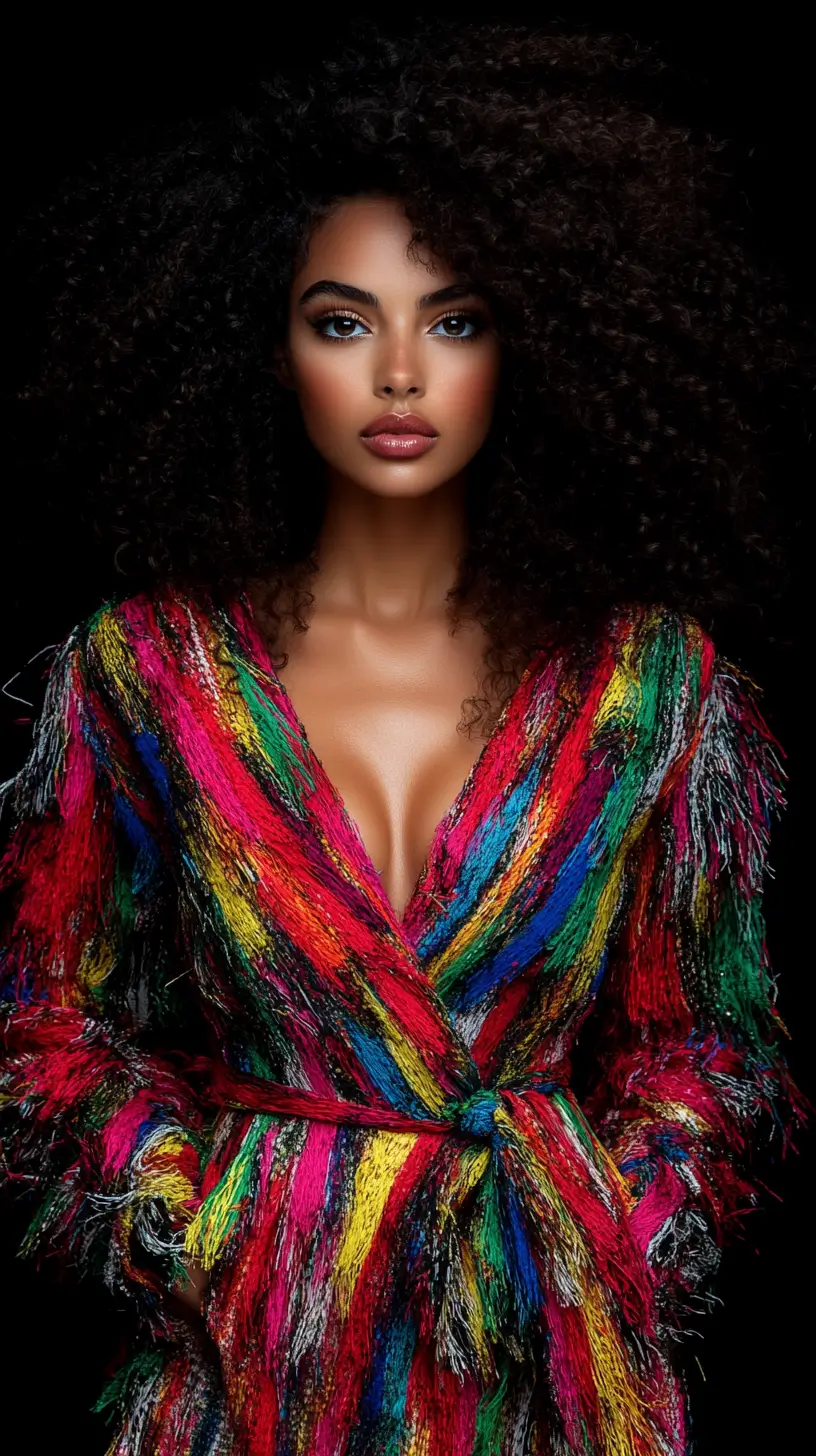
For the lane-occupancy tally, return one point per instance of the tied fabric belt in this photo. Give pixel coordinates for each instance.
(473, 1117)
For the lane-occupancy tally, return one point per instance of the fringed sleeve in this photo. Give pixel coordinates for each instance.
(688, 1046)
(103, 1137)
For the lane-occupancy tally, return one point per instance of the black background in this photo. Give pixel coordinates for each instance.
(70, 99)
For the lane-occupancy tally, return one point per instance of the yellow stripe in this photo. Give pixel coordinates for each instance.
(419, 1443)
(98, 960)
(249, 927)
(376, 1171)
(471, 1170)
(682, 1113)
(246, 925)
(622, 695)
(110, 642)
(702, 901)
(411, 1063)
(158, 1178)
(624, 1428)
(205, 1235)
(232, 705)
(476, 1312)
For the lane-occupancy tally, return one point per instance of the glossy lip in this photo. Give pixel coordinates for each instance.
(394, 424)
(399, 447)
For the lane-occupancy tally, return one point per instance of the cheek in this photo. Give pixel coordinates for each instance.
(325, 389)
(470, 390)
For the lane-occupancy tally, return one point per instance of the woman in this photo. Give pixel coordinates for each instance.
(434, 364)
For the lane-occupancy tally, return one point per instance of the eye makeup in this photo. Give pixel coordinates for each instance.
(476, 320)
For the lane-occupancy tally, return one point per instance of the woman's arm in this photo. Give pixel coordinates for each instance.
(105, 1135)
(686, 1041)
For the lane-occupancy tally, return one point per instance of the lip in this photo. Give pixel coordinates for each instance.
(399, 437)
(399, 447)
(394, 424)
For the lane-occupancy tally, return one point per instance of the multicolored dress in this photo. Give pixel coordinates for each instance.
(428, 1235)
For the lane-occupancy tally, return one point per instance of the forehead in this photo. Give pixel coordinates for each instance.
(365, 241)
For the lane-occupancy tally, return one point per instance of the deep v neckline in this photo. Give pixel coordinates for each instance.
(323, 780)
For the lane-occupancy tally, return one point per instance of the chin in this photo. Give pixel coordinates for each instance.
(400, 488)
(406, 479)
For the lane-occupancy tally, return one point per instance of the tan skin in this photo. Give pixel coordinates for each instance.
(379, 679)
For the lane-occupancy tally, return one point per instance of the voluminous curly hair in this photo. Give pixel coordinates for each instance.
(629, 457)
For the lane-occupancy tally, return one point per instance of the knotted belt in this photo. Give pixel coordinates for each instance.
(472, 1117)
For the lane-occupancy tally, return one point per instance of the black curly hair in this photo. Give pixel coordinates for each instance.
(630, 455)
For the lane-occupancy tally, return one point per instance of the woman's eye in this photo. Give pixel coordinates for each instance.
(339, 326)
(458, 326)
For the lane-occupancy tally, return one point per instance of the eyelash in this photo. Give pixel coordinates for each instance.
(471, 316)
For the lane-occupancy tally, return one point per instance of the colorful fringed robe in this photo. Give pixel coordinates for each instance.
(506, 1270)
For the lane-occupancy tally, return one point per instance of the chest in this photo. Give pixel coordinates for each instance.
(382, 715)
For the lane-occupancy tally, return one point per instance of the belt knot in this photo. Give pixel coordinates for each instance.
(476, 1115)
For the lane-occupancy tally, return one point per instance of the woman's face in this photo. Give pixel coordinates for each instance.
(373, 333)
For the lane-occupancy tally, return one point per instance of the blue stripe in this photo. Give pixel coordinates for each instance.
(382, 1408)
(491, 841)
(148, 858)
(147, 747)
(520, 1264)
(382, 1071)
(514, 957)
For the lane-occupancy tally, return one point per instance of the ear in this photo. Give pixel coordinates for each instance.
(281, 367)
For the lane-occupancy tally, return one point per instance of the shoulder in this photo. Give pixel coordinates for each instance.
(139, 633)
(665, 667)
(708, 714)
(151, 613)
(679, 660)
(123, 661)
(670, 661)
(90, 701)
(665, 643)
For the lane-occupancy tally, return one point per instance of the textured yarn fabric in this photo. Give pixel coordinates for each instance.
(221, 1041)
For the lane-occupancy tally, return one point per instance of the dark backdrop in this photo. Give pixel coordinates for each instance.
(749, 1367)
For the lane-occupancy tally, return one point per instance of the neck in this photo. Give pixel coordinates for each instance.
(387, 559)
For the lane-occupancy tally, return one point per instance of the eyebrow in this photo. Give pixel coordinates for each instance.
(329, 287)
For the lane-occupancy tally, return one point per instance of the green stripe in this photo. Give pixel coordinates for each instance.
(283, 747)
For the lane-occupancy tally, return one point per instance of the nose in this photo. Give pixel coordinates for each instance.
(398, 369)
